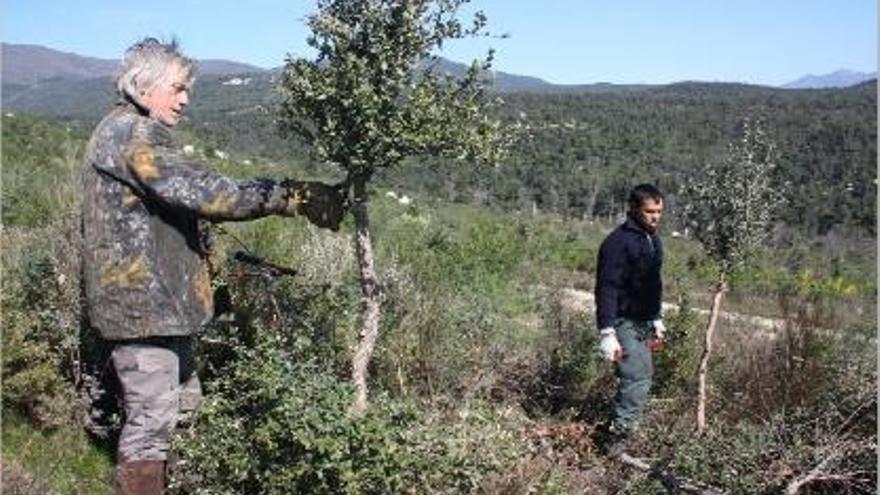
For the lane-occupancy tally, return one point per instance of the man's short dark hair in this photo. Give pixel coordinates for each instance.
(642, 192)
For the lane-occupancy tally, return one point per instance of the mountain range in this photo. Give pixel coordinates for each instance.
(837, 79)
(30, 64)
(26, 65)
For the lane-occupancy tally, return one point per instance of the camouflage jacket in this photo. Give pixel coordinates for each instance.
(145, 213)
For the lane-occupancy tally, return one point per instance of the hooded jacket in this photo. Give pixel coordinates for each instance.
(144, 217)
(628, 279)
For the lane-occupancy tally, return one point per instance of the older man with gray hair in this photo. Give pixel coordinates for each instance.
(146, 280)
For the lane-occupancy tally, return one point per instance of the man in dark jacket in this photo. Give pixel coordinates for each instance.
(145, 268)
(629, 293)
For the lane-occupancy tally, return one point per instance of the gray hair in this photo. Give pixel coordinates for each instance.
(148, 61)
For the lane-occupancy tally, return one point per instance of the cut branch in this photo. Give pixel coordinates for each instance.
(703, 392)
(822, 471)
(670, 481)
(813, 475)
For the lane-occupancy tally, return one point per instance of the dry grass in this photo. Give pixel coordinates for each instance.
(17, 481)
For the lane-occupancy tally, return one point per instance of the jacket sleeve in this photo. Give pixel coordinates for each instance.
(609, 282)
(160, 171)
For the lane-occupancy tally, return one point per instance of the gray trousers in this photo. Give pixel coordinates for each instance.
(635, 373)
(159, 384)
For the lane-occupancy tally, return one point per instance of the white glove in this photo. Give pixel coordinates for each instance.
(659, 329)
(609, 344)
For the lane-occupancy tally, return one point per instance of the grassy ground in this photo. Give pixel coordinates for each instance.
(62, 461)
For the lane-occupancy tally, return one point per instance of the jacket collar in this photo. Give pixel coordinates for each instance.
(631, 224)
(126, 104)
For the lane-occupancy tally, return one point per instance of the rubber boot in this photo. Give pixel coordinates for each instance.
(140, 478)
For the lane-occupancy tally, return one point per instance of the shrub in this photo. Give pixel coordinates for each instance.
(787, 400)
(675, 367)
(764, 457)
(566, 374)
(768, 371)
(275, 419)
(731, 459)
(40, 298)
(40, 301)
(40, 161)
(277, 423)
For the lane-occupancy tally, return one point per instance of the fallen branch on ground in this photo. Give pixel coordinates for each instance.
(822, 472)
(671, 482)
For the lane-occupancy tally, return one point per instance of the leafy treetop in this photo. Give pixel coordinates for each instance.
(373, 96)
(734, 202)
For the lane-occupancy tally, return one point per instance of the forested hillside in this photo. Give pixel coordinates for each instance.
(583, 150)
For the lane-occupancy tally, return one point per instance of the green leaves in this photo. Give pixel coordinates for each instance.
(373, 96)
(732, 205)
(276, 425)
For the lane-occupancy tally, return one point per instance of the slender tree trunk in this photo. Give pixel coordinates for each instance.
(720, 289)
(370, 310)
(594, 186)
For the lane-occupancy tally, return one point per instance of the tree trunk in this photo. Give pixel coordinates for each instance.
(590, 204)
(720, 289)
(370, 310)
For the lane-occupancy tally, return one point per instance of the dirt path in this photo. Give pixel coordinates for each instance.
(581, 301)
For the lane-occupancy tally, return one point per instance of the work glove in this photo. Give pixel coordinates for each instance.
(659, 329)
(659, 338)
(609, 345)
(321, 204)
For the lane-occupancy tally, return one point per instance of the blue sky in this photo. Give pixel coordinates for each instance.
(562, 41)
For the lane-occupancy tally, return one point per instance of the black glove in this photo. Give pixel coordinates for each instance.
(321, 204)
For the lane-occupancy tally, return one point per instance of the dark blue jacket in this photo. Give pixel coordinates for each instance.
(628, 283)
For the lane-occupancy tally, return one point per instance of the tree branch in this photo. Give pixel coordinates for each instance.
(670, 481)
(821, 471)
(817, 472)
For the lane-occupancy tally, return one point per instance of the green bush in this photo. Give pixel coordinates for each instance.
(40, 323)
(763, 457)
(40, 162)
(563, 373)
(276, 420)
(732, 459)
(278, 423)
(784, 401)
(675, 368)
(40, 298)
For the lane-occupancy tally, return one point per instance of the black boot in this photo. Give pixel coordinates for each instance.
(615, 441)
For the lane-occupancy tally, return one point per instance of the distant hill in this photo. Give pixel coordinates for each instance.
(838, 79)
(44, 81)
(229, 94)
(27, 65)
(31, 64)
(505, 82)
